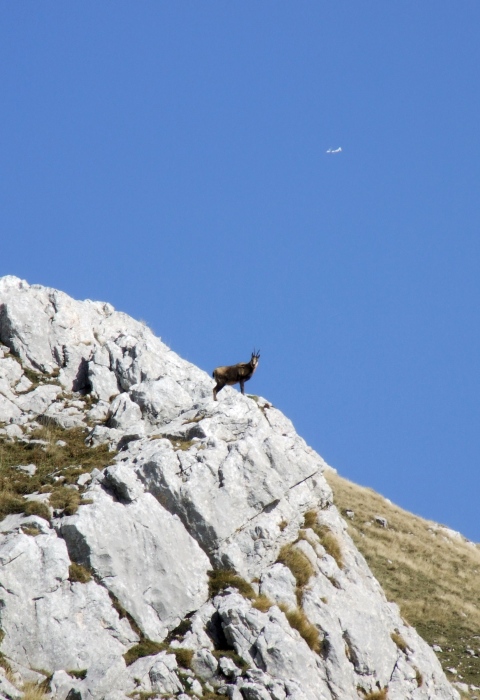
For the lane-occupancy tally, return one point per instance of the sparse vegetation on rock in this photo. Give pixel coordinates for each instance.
(177, 485)
(431, 575)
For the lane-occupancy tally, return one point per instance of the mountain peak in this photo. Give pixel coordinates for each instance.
(166, 543)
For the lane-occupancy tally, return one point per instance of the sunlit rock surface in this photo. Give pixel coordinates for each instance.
(196, 485)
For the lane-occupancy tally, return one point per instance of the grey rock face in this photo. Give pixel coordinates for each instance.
(196, 485)
(155, 568)
(49, 622)
(239, 462)
(8, 410)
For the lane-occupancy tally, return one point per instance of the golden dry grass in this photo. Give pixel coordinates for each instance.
(78, 573)
(65, 499)
(331, 544)
(32, 691)
(399, 641)
(144, 648)
(327, 537)
(300, 622)
(221, 579)
(262, 603)
(377, 694)
(431, 576)
(298, 563)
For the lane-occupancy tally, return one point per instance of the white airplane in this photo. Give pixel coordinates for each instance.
(335, 150)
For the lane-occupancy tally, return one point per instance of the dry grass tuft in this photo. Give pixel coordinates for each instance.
(184, 656)
(418, 677)
(327, 537)
(219, 580)
(10, 503)
(66, 499)
(32, 691)
(37, 508)
(231, 654)
(262, 603)
(79, 574)
(298, 563)
(377, 694)
(144, 648)
(31, 530)
(331, 544)
(310, 519)
(432, 577)
(300, 622)
(179, 443)
(399, 641)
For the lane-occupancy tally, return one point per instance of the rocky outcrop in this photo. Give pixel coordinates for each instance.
(114, 594)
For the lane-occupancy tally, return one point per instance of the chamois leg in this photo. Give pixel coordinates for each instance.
(218, 387)
(242, 386)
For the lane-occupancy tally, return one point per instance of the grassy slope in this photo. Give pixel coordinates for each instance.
(434, 578)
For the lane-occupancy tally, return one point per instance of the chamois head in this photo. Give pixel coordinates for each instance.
(255, 358)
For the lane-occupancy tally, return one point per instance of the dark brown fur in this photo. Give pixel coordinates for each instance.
(235, 374)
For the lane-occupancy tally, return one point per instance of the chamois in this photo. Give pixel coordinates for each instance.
(235, 374)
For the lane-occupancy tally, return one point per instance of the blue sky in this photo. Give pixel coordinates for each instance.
(170, 158)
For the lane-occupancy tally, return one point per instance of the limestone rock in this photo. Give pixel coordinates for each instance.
(124, 412)
(29, 469)
(69, 624)
(267, 641)
(278, 584)
(155, 568)
(9, 411)
(38, 400)
(196, 485)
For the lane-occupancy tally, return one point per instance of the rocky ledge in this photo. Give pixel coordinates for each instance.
(192, 548)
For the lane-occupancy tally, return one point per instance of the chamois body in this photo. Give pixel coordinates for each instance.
(235, 374)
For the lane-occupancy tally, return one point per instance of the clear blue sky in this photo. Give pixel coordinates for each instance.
(170, 158)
